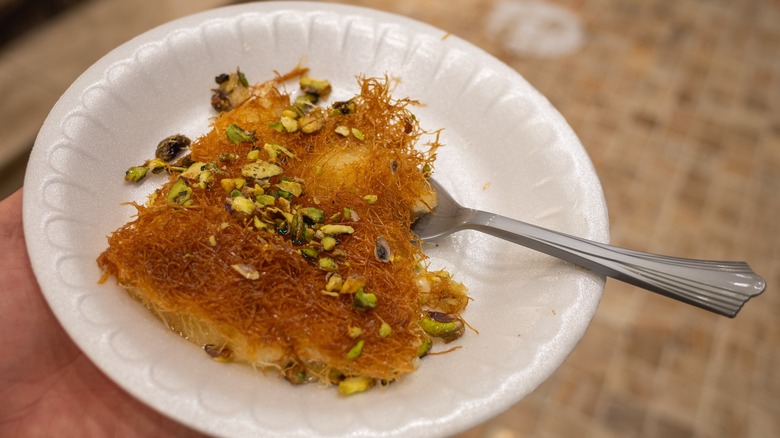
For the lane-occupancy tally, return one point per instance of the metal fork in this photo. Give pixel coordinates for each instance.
(717, 286)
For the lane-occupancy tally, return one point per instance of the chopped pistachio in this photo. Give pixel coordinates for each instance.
(313, 122)
(364, 300)
(353, 284)
(333, 282)
(303, 104)
(261, 170)
(253, 155)
(289, 123)
(228, 184)
(315, 215)
(424, 347)
(327, 264)
(354, 332)
(442, 326)
(239, 182)
(212, 240)
(246, 271)
(351, 385)
(385, 330)
(292, 187)
(318, 87)
(136, 173)
(309, 253)
(358, 134)
(310, 233)
(180, 193)
(223, 225)
(356, 349)
(265, 200)
(335, 230)
(297, 229)
(277, 126)
(274, 150)
(242, 78)
(228, 158)
(236, 134)
(235, 193)
(284, 205)
(328, 243)
(260, 225)
(371, 199)
(157, 165)
(344, 107)
(342, 130)
(194, 171)
(172, 146)
(243, 205)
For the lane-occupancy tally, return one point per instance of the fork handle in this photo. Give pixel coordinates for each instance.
(716, 286)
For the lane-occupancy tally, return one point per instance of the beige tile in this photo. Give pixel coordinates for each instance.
(26, 103)
(623, 417)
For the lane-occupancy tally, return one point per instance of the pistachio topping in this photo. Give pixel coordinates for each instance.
(292, 187)
(179, 193)
(358, 134)
(364, 300)
(136, 173)
(236, 134)
(243, 205)
(289, 123)
(315, 215)
(317, 87)
(274, 150)
(353, 284)
(335, 230)
(170, 147)
(333, 282)
(385, 330)
(327, 264)
(311, 254)
(424, 347)
(356, 349)
(442, 325)
(261, 170)
(352, 385)
(313, 122)
(344, 107)
(328, 243)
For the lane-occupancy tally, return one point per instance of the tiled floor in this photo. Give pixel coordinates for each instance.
(678, 104)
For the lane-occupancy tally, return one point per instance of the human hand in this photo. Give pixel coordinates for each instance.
(47, 386)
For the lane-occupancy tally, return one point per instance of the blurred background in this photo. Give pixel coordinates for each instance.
(678, 105)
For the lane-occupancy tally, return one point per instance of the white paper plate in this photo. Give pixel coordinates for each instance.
(507, 150)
